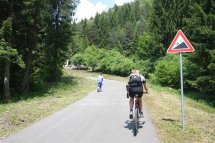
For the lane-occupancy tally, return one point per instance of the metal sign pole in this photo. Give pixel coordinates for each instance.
(182, 91)
(181, 44)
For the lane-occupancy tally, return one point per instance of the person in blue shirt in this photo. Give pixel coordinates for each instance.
(99, 82)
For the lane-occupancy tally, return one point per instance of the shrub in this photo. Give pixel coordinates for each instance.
(115, 63)
(167, 71)
(78, 59)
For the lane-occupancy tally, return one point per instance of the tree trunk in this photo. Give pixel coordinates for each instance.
(26, 77)
(7, 81)
(54, 68)
(31, 45)
(55, 49)
(7, 62)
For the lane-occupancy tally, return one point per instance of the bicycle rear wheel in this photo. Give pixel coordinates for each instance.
(136, 120)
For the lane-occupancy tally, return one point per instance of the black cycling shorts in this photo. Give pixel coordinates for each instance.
(133, 94)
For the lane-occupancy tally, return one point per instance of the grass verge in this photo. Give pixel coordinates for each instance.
(17, 115)
(164, 105)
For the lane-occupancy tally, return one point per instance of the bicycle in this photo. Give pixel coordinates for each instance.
(136, 113)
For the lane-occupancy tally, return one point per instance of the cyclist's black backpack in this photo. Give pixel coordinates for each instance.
(135, 85)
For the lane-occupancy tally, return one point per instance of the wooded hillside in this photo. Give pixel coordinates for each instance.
(138, 34)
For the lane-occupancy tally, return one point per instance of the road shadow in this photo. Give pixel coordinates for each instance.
(129, 124)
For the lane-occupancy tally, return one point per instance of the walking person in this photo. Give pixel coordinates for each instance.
(100, 79)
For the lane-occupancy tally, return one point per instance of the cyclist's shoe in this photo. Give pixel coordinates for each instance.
(131, 115)
(141, 114)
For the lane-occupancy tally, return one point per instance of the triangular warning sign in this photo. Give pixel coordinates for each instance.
(180, 44)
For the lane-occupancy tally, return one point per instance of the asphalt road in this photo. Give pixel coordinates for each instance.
(98, 118)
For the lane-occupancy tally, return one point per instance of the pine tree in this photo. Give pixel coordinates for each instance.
(58, 33)
(8, 53)
(200, 25)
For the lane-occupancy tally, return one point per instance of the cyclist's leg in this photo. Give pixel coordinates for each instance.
(141, 103)
(131, 104)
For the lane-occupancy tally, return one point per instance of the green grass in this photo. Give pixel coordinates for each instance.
(22, 112)
(164, 105)
(190, 97)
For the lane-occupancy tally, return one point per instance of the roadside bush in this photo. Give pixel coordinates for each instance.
(115, 63)
(109, 61)
(92, 56)
(78, 59)
(167, 71)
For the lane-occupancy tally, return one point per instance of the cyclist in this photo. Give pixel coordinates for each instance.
(99, 82)
(139, 83)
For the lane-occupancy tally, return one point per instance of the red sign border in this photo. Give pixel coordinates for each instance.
(189, 49)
